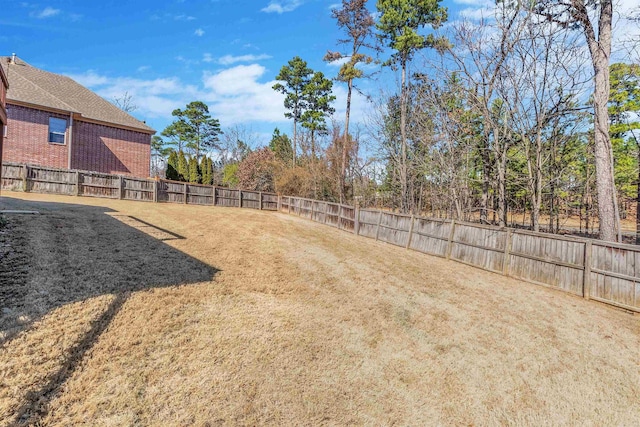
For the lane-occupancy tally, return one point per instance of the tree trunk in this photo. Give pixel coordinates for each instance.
(501, 207)
(295, 138)
(484, 201)
(345, 143)
(313, 146)
(638, 206)
(600, 49)
(404, 202)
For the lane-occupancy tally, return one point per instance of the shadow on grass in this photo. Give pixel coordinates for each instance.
(73, 253)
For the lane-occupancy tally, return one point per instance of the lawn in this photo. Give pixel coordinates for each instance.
(131, 313)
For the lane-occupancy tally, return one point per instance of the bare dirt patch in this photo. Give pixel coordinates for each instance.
(288, 322)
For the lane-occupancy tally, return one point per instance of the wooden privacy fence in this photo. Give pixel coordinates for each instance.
(333, 214)
(593, 269)
(606, 272)
(40, 179)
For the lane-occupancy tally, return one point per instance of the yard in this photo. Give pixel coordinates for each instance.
(131, 313)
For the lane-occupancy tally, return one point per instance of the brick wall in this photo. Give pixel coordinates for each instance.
(3, 111)
(28, 136)
(111, 150)
(95, 147)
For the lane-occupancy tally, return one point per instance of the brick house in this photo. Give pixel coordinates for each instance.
(4, 84)
(54, 121)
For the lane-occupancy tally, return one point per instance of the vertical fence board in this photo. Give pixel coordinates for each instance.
(607, 272)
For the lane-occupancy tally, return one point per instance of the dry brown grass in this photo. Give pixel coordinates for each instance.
(300, 325)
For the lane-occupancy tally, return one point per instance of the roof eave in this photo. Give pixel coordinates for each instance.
(82, 118)
(3, 77)
(79, 117)
(39, 107)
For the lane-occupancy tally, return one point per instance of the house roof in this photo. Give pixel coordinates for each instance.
(3, 76)
(37, 87)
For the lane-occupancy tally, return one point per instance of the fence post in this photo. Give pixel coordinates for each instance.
(289, 206)
(450, 243)
(260, 195)
(326, 211)
(215, 195)
(185, 193)
(77, 191)
(507, 251)
(410, 232)
(312, 203)
(586, 278)
(155, 191)
(379, 221)
(356, 221)
(120, 182)
(239, 198)
(25, 178)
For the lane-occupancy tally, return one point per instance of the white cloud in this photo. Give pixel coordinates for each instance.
(280, 7)
(476, 14)
(476, 3)
(154, 98)
(626, 33)
(230, 59)
(340, 62)
(476, 9)
(235, 95)
(183, 17)
(47, 12)
(359, 105)
(90, 79)
(207, 57)
(199, 32)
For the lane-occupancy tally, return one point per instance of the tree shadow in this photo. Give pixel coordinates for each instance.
(94, 152)
(71, 253)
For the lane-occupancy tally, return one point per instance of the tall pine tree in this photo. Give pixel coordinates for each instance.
(295, 75)
(399, 25)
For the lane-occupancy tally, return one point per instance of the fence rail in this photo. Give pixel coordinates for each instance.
(38, 179)
(605, 272)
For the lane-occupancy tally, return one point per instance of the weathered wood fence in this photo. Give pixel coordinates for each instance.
(606, 272)
(20, 177)
(593, 269)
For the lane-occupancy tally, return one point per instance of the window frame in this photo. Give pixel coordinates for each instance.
(51, 132)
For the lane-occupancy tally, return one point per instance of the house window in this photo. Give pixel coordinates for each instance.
(57, 129)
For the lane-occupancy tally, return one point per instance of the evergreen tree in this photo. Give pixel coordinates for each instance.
(594, 19)
(399, 25)
(295, 75)
(172, 167)
(318, 98)
(206, 169)
(177, 134)
(183, 167)
(280, 144)
(358, 24)
(230, 175)
(194, 128)
(194, 170)
(624, 112)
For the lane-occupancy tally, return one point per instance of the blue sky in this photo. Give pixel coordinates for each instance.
(167, 53)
